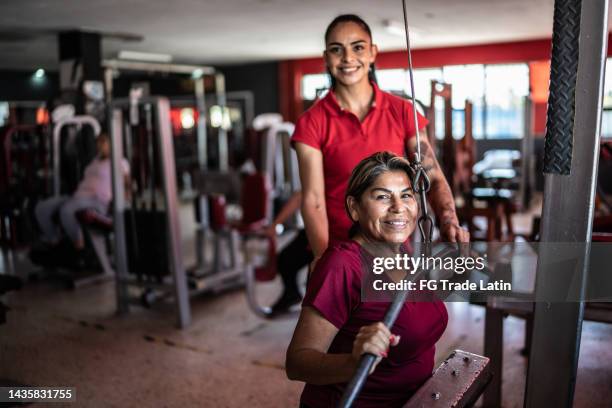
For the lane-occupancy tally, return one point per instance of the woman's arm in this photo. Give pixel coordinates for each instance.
(307, 357)
(439, 195)
(288, 209)
(310, 161)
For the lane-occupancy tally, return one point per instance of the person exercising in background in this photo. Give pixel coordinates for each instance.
(354, 120)
(93, 192)
(291, 259)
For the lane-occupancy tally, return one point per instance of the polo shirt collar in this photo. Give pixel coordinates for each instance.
(332, 105)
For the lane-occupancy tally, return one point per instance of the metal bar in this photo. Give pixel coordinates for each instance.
(367, 360)
(557, 326)
(168, 172)
(276, 159)
(158, 67)
(431, 117)
(525, 186)
(108, 84)
(410, 75)
(75, 120)
(26, 104)
(249, 104)
(268, 154)
(200, 95)
(222, 138)
(121, 265)
(494, 347)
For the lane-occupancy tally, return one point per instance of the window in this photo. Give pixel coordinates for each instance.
(606, 117)
(468, 84)
(506, 89)
(314, 86)
(392, 80)
(497, 93)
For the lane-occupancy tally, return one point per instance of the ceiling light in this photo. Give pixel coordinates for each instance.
(396, 28)
(197, 73)
(144, 56)
(187, 118)
(39, 73)
(216, 116)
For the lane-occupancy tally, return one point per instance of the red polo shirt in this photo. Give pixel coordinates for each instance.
(345, 141)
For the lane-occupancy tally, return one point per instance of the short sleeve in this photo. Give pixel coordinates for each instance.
(408, 113)
(307, 131)
(334, 288)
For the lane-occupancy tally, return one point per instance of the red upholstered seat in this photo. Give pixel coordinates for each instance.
(254, 202)
(95, 219)
(218, 221)
(601, 237)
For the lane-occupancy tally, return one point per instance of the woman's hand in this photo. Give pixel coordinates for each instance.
(374, 339)
(451, 231)
(270, 231)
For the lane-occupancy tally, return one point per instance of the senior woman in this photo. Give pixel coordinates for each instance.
(335, 327)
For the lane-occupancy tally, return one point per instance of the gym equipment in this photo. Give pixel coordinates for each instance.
(457, 382)
(274, 177)
(210, 121)
(580, 34)
(24, 177)
(203, 146)
(97, 228)
(494, 187)
(421, 185)
(445, 152)
(257, 136)
(280, 160)
(527, 169)
(158, 135)
(256, 205)
(155, 256)
(59, 261)
(272, 153)
(278, 180)
(491, 181)
(77, 123)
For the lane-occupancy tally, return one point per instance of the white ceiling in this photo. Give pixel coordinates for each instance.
(234, 31)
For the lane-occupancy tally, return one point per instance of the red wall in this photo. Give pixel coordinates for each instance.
(535, 52)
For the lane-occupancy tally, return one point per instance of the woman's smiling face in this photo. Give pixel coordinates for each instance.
(387, 210)
(349, 53)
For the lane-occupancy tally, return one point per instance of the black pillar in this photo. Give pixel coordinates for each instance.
(572, 150)
(81, 74)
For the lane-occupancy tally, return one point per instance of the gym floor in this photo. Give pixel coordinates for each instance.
(228, 357)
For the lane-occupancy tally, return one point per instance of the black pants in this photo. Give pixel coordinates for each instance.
(292, 258)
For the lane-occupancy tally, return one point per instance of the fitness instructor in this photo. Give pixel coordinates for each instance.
(354, 120)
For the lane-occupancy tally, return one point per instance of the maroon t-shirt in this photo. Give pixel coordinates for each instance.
(334, 290)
